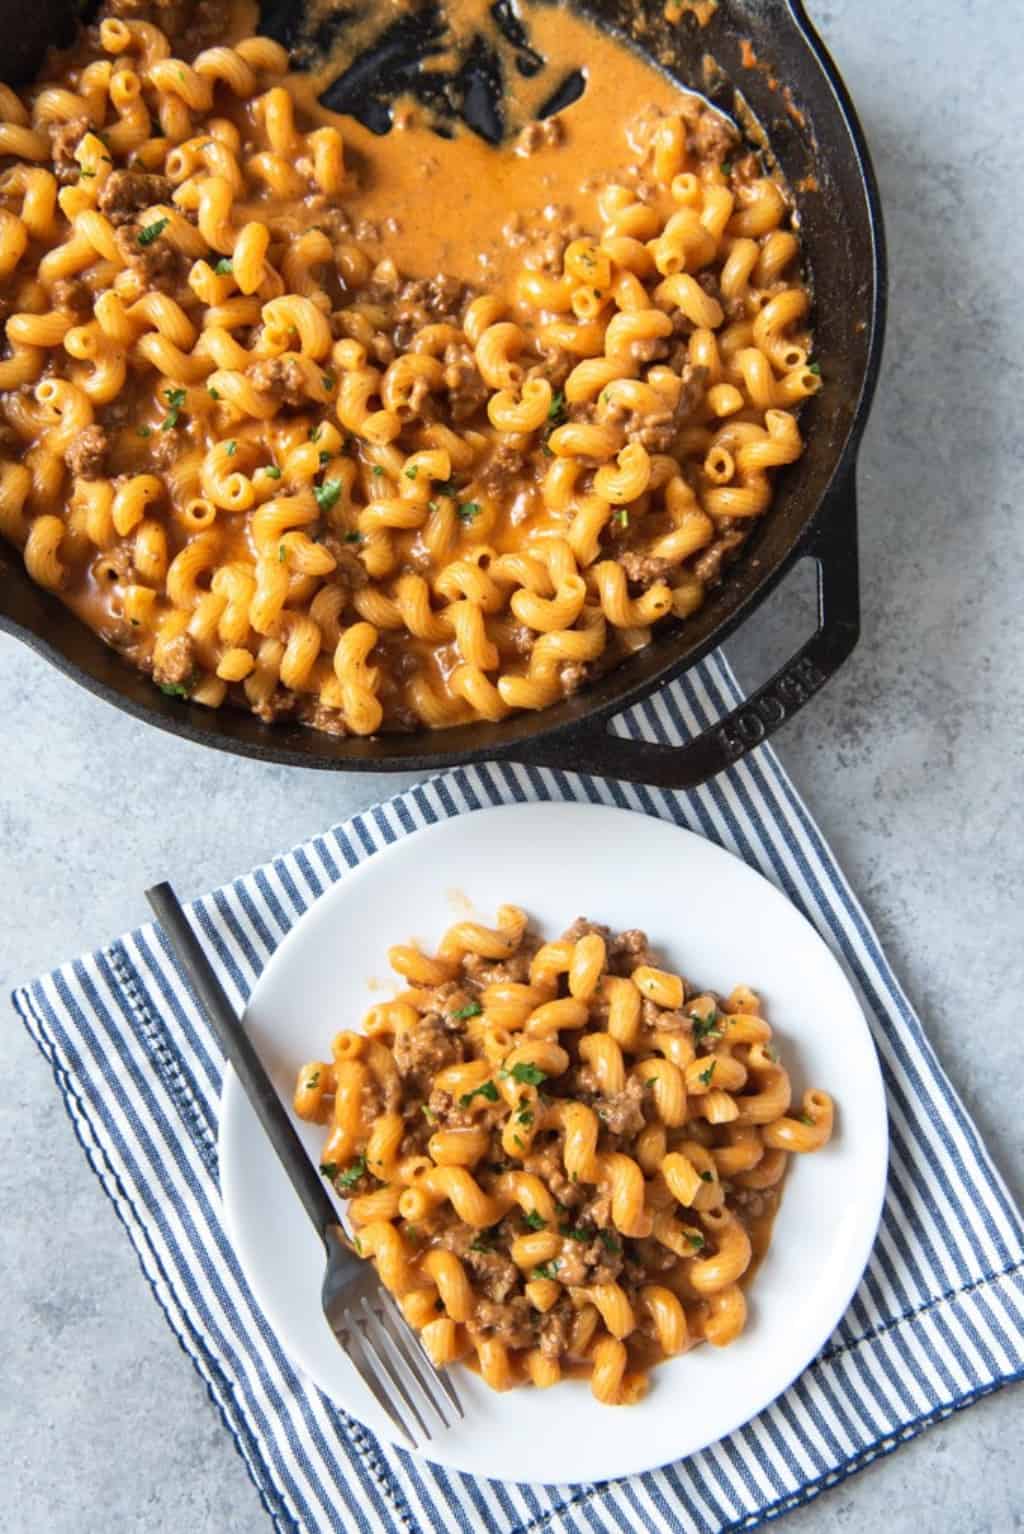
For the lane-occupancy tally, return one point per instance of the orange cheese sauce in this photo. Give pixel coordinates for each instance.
(456, 205)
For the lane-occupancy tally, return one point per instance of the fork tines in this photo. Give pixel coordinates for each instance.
(393, 1363)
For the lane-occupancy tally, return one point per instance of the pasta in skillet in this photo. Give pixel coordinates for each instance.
(562, 1159)
(275, 472)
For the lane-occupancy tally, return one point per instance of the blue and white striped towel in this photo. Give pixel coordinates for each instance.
(937, 1321)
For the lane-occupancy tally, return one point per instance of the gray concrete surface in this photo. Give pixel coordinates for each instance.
(911, 762)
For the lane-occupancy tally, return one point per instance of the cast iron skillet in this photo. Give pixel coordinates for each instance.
(796, 95)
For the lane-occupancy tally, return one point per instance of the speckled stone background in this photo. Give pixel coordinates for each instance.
(911, 761)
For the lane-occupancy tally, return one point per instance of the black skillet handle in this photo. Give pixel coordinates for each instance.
(834, 547)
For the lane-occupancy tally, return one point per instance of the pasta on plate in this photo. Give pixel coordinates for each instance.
(561, 1157)
(275, 471)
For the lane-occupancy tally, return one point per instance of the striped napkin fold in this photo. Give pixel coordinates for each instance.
(937, 1322)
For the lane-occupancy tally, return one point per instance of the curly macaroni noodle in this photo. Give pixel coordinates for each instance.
(276, 472)
(563, 1158)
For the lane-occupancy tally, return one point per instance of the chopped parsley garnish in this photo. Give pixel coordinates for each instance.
(181, 74)
(413, 1233)
(85, 175)
(152, 231)
(326, 495)
(325, 457)
(534, 1221)
(212, 392)
(353, 537)
(272, 471)
(652, 1081)
(313, 1082)
(352, 1174)
(282, 553)
(695, 1239)
(622, 517)
(609, 1242)
(525, 1116)
(575, 1233)
(727, 168)
(329, 1169)
(486, 1089)
(706, 1076)
(556, 415)
(467, 511)
(707, 1177)
(815, 368)
(174, 689)
(314, 433)
(526, 1074)
(428, 1114)
(232, 448)
(377, 470)
(517, 1141)
(175, 399)
(358, 1245)
(471, 1009)
(546, 1269)
(434, 505)
(412, 472)
(224, 267)
(484, 1242)
(143, 431)
(328, 380)
(703, 1026)
(805, 1118)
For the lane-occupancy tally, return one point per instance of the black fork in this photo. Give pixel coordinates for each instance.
(364, 1318)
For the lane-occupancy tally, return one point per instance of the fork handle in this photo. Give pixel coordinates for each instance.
(238, 1048)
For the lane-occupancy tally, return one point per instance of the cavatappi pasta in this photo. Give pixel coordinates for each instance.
(275, 469)
(562, 1158)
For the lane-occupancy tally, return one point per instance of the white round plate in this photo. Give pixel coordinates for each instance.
(711, 918)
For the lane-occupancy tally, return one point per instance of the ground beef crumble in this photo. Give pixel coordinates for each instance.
(158, 265)
(422, 1051)
(643, 569)
(73, 294)
(127, 192)
(282, 378)
(516, 1323)
(86, 453)
(622, 1114)
(445, 1112)
(64, 140)
(177, 662)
